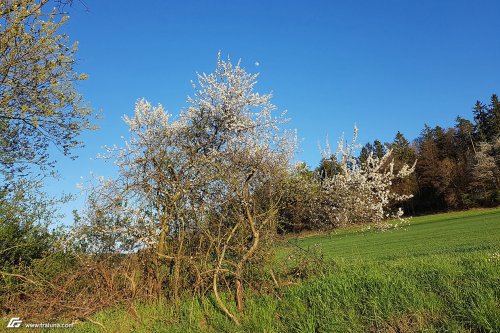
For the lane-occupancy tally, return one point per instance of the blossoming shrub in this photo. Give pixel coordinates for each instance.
(356, 192)
(200, 190)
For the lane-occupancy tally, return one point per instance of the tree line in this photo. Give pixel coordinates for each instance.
(455, 168)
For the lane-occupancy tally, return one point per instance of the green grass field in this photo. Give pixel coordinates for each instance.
(441, 273)
(450, 233)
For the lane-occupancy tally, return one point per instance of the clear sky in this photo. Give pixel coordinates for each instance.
(384, 65)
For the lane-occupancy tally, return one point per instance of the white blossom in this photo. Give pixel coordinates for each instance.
(361, 192)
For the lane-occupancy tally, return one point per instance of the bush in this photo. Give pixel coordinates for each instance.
(26, 214)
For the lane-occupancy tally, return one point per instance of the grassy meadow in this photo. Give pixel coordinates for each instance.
(449, 233)
(440, 273)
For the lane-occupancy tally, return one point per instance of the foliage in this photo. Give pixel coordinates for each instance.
(27, 235)
(487, 120)
(453, 164)
(376, 149)
(39, 104)
(25, 216)
(301, 192)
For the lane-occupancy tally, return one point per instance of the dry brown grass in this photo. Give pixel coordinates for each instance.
(89, 285)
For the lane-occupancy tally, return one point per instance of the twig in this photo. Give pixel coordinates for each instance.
(274, 278)
(95, 322)
(19, 276)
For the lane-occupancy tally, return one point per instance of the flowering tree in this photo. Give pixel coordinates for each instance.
(360, 192)
(486, 173)
(190, 190)
(245, 155)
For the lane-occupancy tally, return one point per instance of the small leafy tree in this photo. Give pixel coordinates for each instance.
(39, 104)
(26, 215)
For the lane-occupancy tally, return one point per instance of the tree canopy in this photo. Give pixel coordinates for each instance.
(39, 103)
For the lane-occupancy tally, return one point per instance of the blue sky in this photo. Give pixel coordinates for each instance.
(384, 65)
